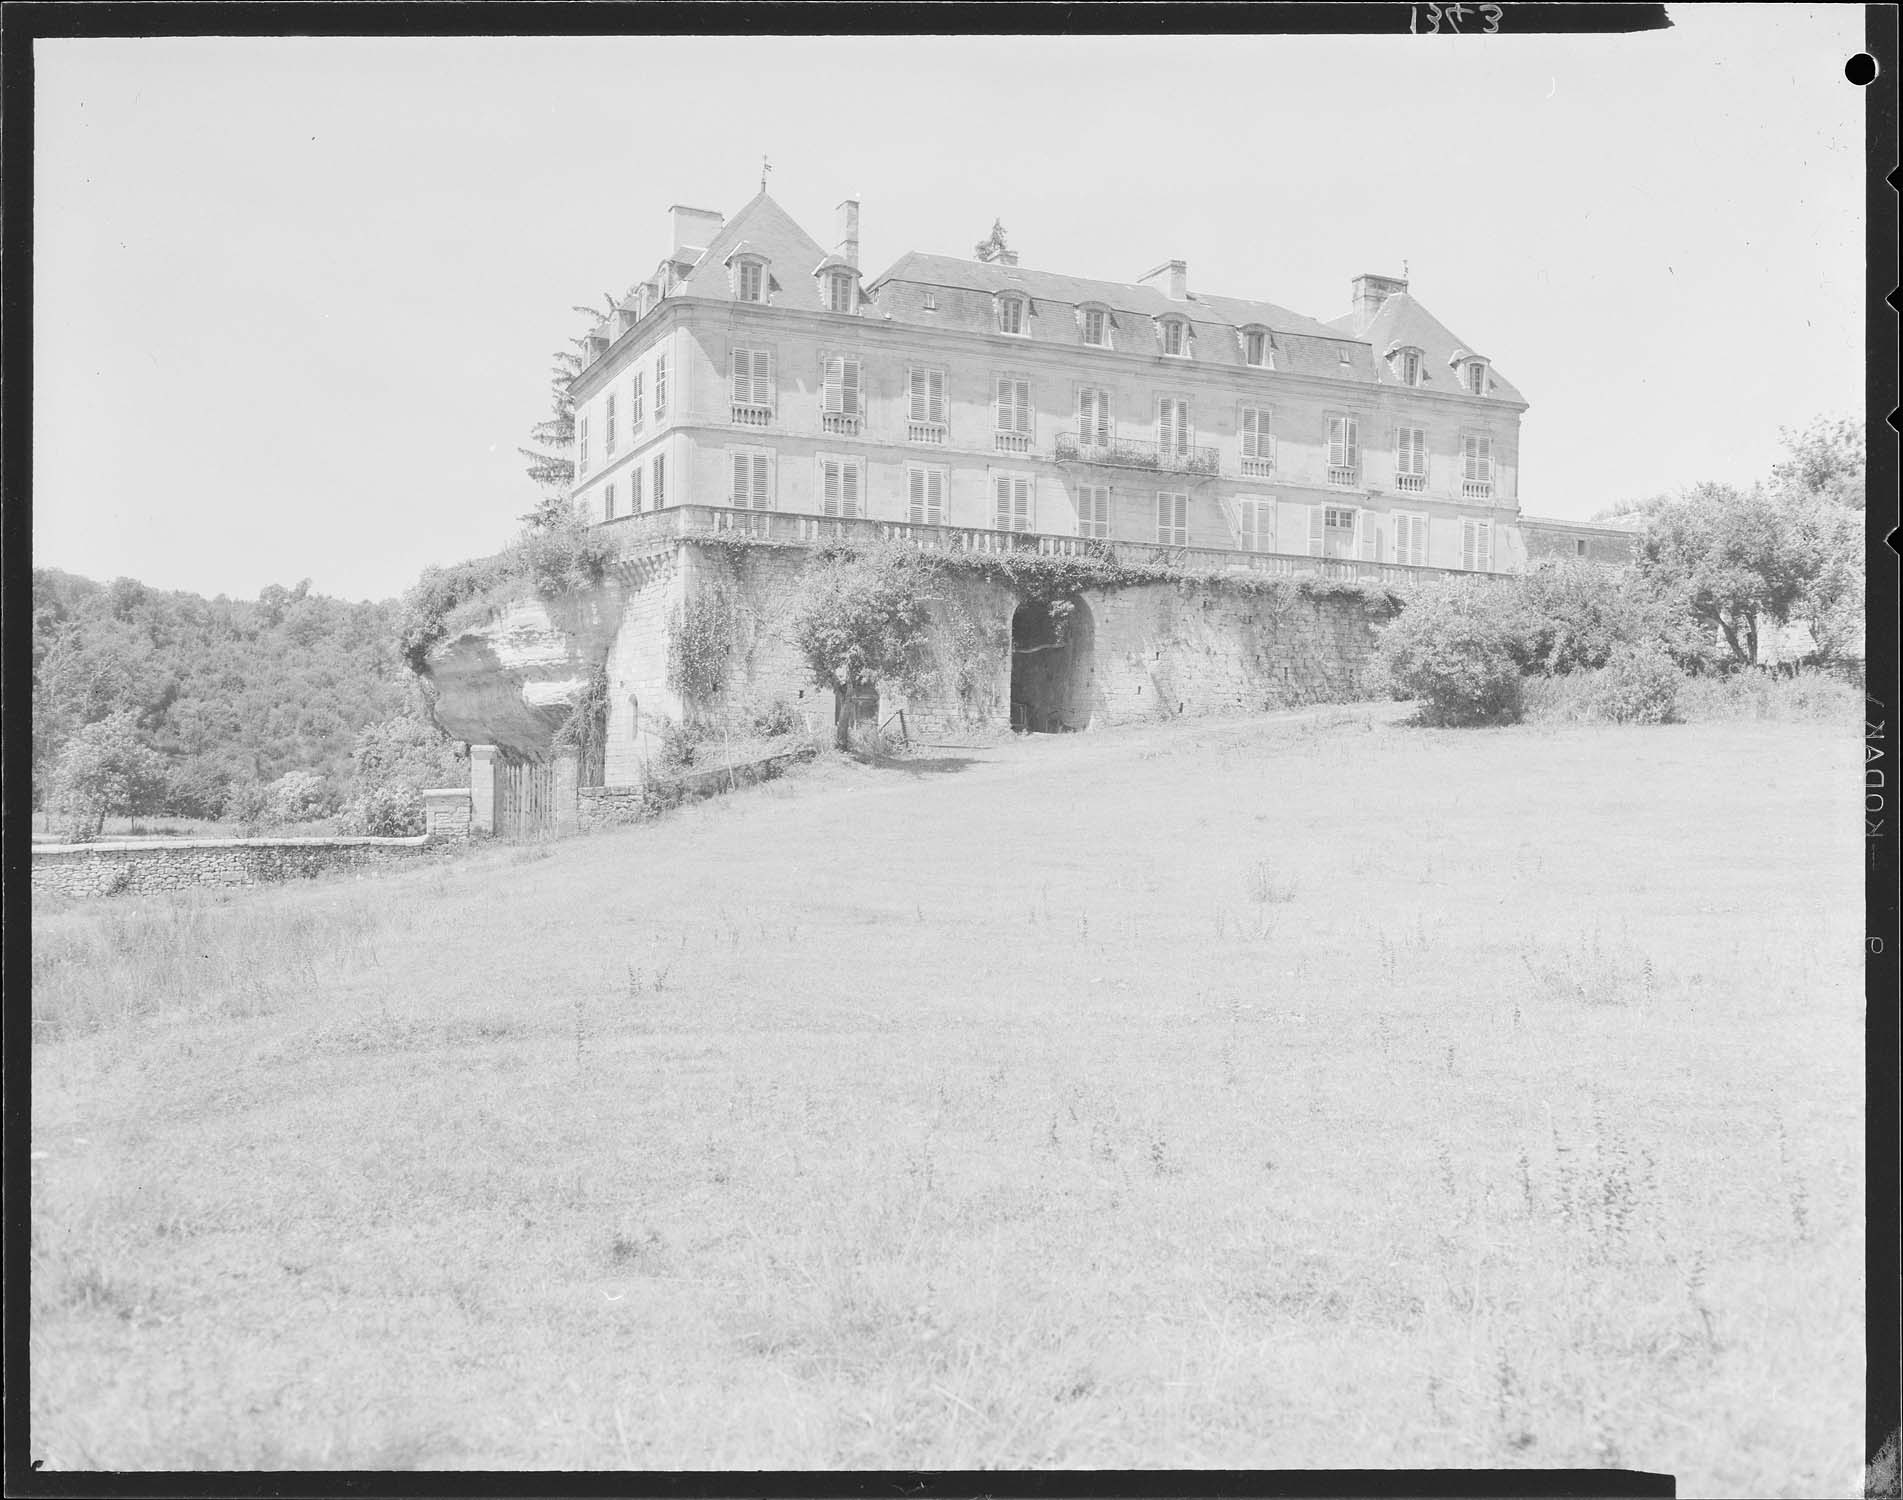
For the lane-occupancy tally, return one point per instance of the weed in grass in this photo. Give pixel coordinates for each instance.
(1266, 886)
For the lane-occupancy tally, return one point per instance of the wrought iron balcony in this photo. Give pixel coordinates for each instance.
(1132, 453)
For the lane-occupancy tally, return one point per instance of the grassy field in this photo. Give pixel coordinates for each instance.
(1306, 1091)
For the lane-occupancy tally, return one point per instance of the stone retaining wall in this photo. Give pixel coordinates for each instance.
(612, 806)
(110, 869)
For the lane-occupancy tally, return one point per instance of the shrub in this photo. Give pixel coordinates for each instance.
(1637, 685)
(1570, 617)
(777, 718)
(1806, 697)
(677, 747)
(390, 810)
(1452, 648)
(248, 804)
(408, 750)
(302, 797)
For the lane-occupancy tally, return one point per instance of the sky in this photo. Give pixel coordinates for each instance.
(295, 298)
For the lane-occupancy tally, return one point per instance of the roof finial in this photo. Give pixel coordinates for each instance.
(1404, 270)
(765, 167)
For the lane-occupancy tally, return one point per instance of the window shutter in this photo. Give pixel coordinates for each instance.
(832, 382)
(1003, 419)
(1166, 425)
(849, 391)
(1486, 546)
(1001, 506)
(1370, 536)
(740, 479)
(917, 409)
(829, 486)
(762, 491)
(935, 488)
(1354, 444)
(849, 488)
(915, 492)
(742, 377)
(1315, 519)
(935, 399)
(762, 377)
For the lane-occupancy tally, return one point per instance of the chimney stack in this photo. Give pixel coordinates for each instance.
(1007, 257)
(1370, 291)
(848, 246)
(1171, 279)
(694, 230)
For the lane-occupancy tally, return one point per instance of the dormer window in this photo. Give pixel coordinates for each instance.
(1174, 334)
(1477, 377)
(749, 280)
(1096, 326)
(1257, 349)
(1407, 363)
(839, 291)
(1011, 315)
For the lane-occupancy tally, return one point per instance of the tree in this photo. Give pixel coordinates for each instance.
(405, 751)
(1741, 559)
(994, 248)
(103, 771)
(1826, 461)
(861, 620)
(554, 472)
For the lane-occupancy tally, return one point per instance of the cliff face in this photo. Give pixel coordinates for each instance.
(511, 680)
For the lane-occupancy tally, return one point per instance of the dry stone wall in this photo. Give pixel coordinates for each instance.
(111, 869)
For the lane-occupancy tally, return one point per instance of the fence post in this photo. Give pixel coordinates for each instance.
(482, 789)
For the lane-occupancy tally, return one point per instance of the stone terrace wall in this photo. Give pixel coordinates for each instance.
(1156, 649)
(110, 869)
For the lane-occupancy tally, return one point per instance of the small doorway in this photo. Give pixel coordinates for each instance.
(1051, 665)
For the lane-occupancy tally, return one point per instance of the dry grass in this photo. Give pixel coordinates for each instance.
(1307, 1092)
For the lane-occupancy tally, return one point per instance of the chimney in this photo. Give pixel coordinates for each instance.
(1176, 287)
(1007, 257)
(1370, 291)
(694, 229)
(848, 246)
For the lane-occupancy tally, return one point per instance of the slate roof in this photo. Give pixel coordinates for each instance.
(965, 289)
(765, 229)
(1403, 321)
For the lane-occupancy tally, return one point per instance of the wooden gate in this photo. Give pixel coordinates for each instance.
(525, 798)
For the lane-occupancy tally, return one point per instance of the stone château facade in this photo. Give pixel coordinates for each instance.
(758, 396)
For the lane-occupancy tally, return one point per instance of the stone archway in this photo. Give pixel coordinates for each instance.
(1053, 648)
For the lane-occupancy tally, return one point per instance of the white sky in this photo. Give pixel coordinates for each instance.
(295, 298)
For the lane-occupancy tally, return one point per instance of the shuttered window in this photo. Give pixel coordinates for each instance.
(660, 480)
(840, 386)
(1014, 404)
(608, 503)
(634, 492)
(1252, 431)
(1172, 520)
(1476, 459)
(1093, 417)
(925, 495)
(660, 386)
(1410, 451)
(753, 377)
(927, 388)
(841, 486)
(1476, 545)
(581, 446)
(752, 479)
(1344, 443)
(637, 414)
(1012, 494)
(1410, 539)
(1172, 425)
(608, 427)
(1255, 524)
(1093, 510)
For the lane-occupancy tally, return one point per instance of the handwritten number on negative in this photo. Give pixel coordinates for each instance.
(1453, 15)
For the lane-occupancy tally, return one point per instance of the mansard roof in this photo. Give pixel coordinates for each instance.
(764, 229)
(965, 289)
(1403, 323)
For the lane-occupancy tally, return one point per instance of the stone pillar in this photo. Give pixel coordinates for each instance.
(446, 813)
(482, 789)
(567, 792)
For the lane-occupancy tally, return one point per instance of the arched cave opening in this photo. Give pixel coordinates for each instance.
(1052, 663)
